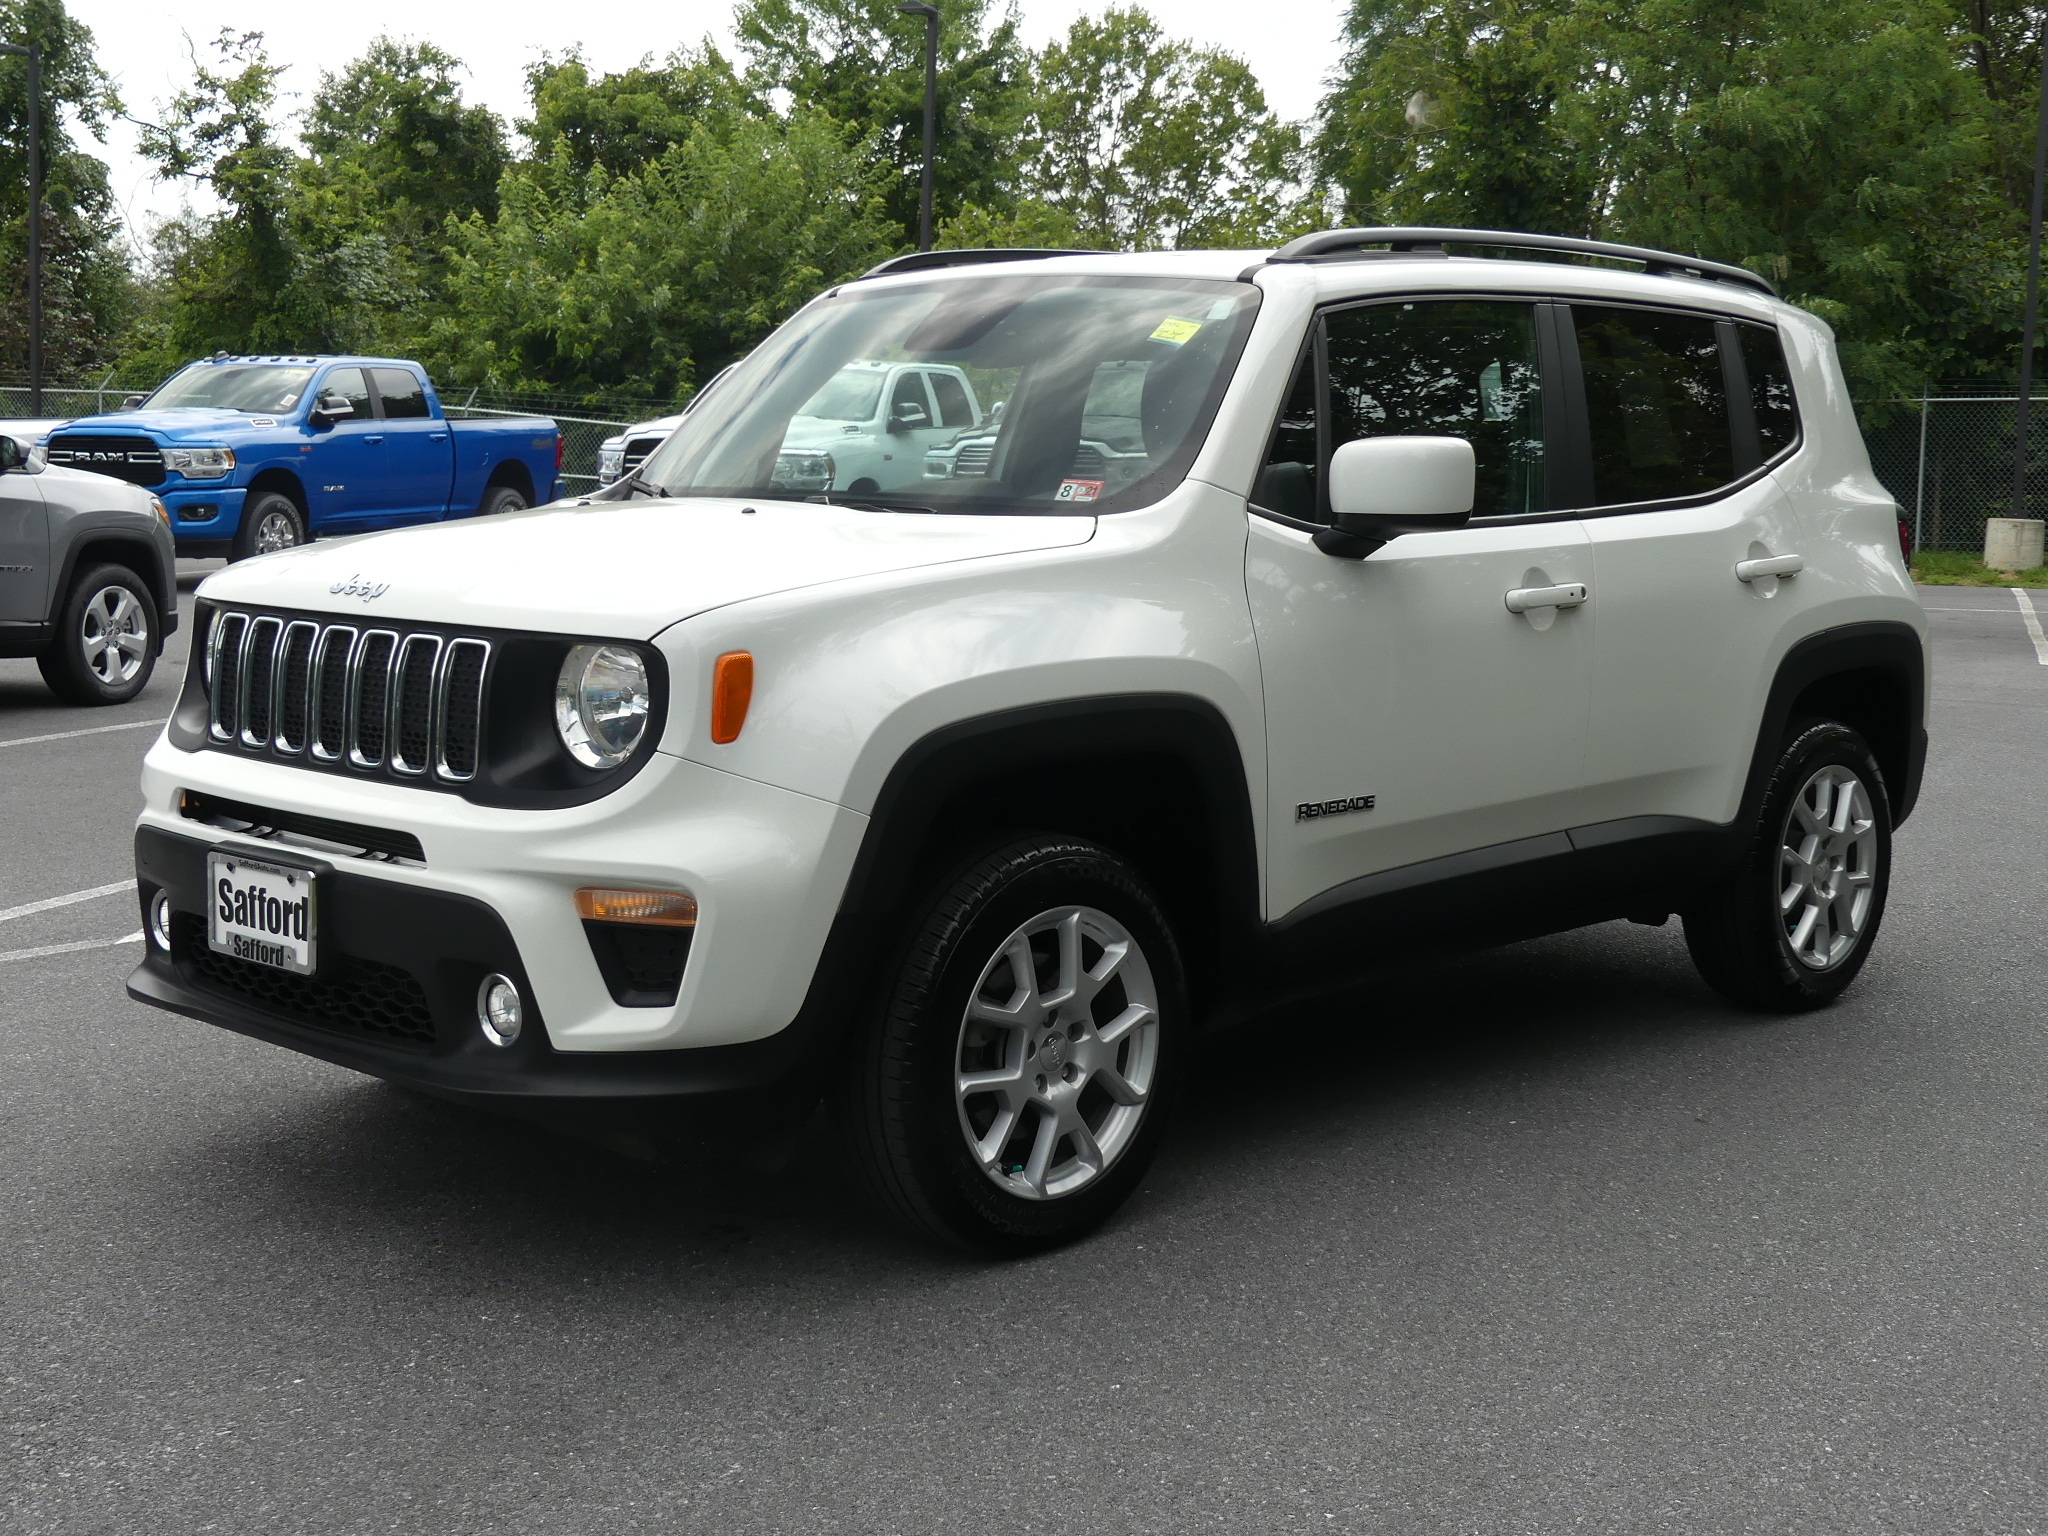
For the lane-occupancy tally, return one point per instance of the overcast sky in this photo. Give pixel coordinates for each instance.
(1290, 45)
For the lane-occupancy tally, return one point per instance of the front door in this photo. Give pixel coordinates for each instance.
(24, 547)
(345, 462)
(1410, 714)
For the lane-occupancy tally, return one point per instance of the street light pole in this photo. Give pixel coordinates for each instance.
(930, 13)
(2019, 466)
(35, 220)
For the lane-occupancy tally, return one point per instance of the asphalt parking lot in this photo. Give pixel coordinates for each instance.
(1549, 1239)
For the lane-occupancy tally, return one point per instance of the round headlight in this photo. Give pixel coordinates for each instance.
(602, 699)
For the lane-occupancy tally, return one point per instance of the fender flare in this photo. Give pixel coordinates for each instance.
(148, 561)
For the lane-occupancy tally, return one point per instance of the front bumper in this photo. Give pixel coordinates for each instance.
(203, 511)
(397, 1000)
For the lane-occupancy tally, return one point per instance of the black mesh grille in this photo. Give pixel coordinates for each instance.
(373, 697)
(642, 965)
(358, 997)
(134, 459)
(298, 669)
(262, 670)
(415, 744)
(332, 697)
(227, 675)
(462, 711)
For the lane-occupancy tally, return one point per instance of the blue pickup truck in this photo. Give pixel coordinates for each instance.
(252, 454)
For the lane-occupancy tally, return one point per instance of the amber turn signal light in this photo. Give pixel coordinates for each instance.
(661, 909)
(732, 690)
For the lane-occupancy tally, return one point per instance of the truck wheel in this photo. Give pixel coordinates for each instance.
(1789, 929)
(106, 642)
(1016, 1080)
(502, 498)
(270, 522)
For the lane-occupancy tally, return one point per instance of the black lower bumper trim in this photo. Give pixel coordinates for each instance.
(449, 943)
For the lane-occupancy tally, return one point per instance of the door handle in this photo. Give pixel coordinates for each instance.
(1777, 565)
(437, 437)
(1528, 599)
(373, 437)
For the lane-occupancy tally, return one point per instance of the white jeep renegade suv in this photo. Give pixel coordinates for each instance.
(1459, 600)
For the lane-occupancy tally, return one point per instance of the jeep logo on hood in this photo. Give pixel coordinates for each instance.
(355, 586)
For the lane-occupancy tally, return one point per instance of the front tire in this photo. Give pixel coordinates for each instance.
(1016, 1081)
(106, 642)
(270, 522)
(1790, 928)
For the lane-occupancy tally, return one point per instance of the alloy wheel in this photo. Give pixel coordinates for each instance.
(1058, 1051)
(278, 530)
(1827, 868)
(114, 631)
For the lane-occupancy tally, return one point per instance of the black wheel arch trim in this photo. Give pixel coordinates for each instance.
(1891, 650)
(147, 562)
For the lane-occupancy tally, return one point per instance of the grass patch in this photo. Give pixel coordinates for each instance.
(1958, 568)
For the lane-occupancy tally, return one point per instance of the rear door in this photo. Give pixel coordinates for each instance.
(1685, 413)
(419, 456)
(346, 461)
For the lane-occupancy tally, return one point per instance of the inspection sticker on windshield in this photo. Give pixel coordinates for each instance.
(1176, 332)
(1079, 490)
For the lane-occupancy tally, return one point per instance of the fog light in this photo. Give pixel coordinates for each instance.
(498, 1010)
(160, 921)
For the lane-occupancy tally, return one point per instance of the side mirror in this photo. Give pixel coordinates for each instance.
(909, 416)
(133, 402)
(1382, 487)
(12, 456)
(330, 409)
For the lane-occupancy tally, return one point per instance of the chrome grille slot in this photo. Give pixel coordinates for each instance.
(228, 636)
(295, 685)
(370, 688)
(330, 692)
(259, 676)
(412, 703)
(408, 703)
(461, 708)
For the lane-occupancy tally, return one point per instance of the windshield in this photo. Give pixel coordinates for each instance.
(849, 397)
(231, 387)
(1073, 392)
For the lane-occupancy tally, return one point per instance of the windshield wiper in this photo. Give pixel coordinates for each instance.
(869, 504)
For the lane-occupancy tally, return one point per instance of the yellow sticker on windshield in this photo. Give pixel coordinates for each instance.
(1176, 332)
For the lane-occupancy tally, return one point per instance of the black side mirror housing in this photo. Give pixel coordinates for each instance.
(908, 417)
(133, 402)
(328, 410)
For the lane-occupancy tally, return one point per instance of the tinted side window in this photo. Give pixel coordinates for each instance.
(348, 383)
(953, 408)
(1448, 368)
(1770, 388)
(907, 402)
(401, 393)
(1656, 403)
(1287, 481)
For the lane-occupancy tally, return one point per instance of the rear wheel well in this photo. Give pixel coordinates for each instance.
(514, 474)
(1870, 700)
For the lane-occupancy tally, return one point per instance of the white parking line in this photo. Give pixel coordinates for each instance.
(90, 730)
(64, 901)
(2033, 623)
(67, 949)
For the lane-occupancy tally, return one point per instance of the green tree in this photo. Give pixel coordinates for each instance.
(862, 62)
(623, 121)
(1145, 141)
(647, 283)
(397, 115)
(88, 294)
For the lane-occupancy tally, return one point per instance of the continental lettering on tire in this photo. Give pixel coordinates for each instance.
(1315, 810)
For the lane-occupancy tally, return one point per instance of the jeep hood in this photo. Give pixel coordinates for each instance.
(625, 569)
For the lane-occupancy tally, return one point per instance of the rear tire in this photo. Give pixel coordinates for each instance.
(1790, 928)
(1016, 1081)
(502, 498)
(107, 639)
(270, 521)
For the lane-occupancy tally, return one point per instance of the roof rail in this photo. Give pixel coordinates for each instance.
(1341, 244)
(922, 261)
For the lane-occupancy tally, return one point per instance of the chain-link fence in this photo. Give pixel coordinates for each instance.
(584, 423)
(1947, 459)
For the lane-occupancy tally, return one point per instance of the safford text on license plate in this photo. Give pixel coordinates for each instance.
(263, 912)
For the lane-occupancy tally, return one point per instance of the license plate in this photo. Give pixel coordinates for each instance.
(262, 912)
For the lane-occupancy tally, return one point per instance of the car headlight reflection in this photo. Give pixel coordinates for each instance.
(602, 701)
